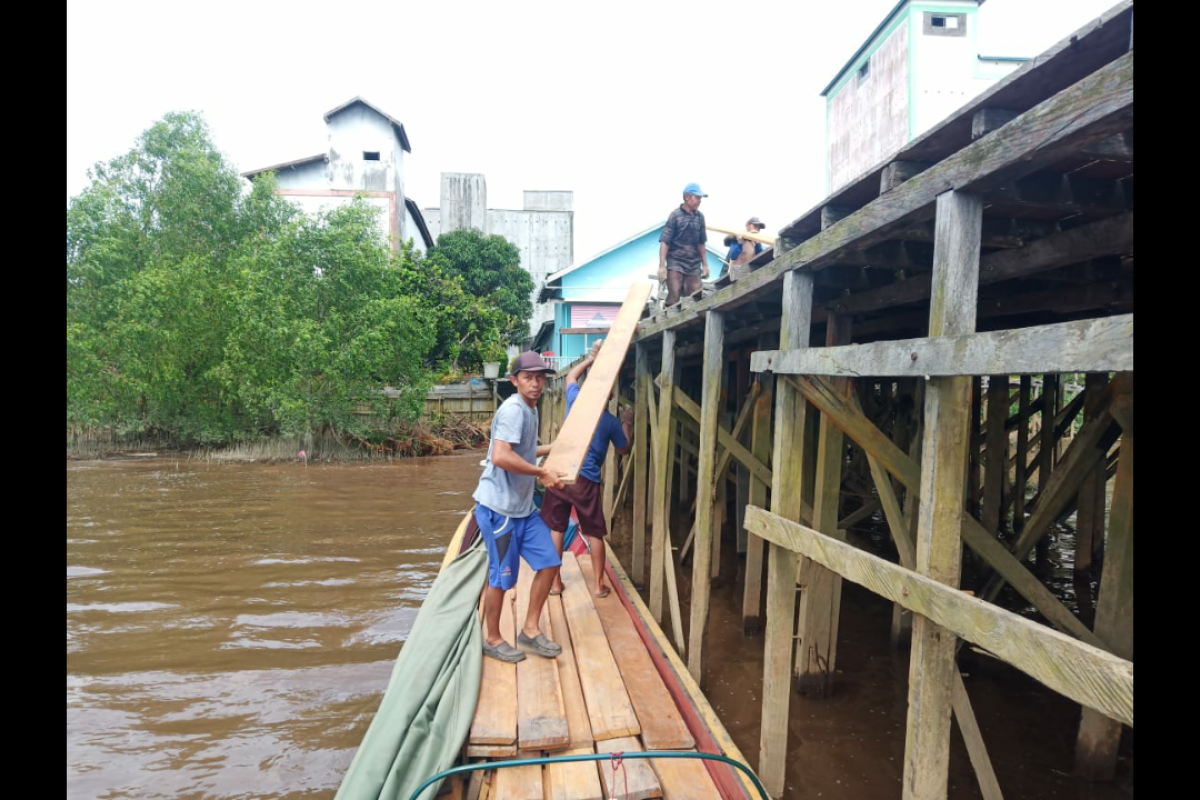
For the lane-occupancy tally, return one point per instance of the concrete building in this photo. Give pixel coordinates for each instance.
(364, 157)
(918, 66)
(543, 229)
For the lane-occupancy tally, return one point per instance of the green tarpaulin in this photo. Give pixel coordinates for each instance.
(426, 712)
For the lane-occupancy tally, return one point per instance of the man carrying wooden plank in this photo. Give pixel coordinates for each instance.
(740, 251)
(505, 513)
(682, 258)
(584, 495)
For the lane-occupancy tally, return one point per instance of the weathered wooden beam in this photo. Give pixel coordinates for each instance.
(821, 601)
(760, 446)
(1047, 443)
(960, 702)
(1104, 344)
(994, 475)
(790, 411)
(1021, 479)
(987, 120)
(710, 394)
(1089, 530)
(1095, 108)
(1093, 240)
(726, 439)
(863, 433)
(975, 466)
(1086, 674)
(897, 172)
(641, 461)
(943, 477)
(831, 215)
(1099, 736)
(663, 465)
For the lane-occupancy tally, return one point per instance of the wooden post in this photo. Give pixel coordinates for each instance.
(975, 473)
(710, 401)
(820, 608)
(943, 463)
(1099, 736)
(641, 440)
(661, 535)
(1046, 454)
(786, 478)
(1022, 477)
(901, 618)
(995, 476)
(685, 467)
(721, 509)
(742, 366)
(760, 445)
(1089, 519)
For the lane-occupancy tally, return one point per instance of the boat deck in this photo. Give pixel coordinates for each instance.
(605, 694)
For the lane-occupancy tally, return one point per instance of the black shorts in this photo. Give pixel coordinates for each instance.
(584, 495)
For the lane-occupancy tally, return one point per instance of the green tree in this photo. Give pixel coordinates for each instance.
(490, 267)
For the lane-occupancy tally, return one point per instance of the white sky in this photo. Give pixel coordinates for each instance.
(621, 102)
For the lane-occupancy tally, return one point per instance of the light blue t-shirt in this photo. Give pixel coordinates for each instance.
(502, 491)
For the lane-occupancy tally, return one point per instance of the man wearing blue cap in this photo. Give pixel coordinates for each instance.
(682, 259)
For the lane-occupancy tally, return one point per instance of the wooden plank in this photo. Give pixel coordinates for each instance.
(943, 480)
(671, 568)
(694, 411)
(663, 466)
(1093, 109)
(790, 422)
(710, 397)
(579, 725)
(571, 445)
(635, 779)
(495, 721)
(1104, 344)
(609, 709)
(769, 241)
(662, 726)
(575, 780)
(494, 750)
(518, 783)
(821, 601)
(541, 716)
(1100, 737)
(760, 446)
(1072, 668)
(685, 779)
(1008, 565)
(994, 475)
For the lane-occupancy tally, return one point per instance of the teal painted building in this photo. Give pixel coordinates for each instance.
(917, 67)
(587, 295)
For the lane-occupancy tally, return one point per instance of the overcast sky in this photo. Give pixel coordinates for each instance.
(621, 102)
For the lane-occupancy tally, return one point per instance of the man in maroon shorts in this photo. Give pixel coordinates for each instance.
(584, 494)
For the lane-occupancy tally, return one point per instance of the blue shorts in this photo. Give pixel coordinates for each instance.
(508, 539)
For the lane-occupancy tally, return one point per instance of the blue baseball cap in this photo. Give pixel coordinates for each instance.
(694, 188)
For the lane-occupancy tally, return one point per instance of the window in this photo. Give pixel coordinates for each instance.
(945, 24)
(864, 71)
(370, 155)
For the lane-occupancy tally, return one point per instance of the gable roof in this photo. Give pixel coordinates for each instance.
(397, 125)
(299, 162)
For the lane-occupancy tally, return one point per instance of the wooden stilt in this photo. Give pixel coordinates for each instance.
(1090, 516)
(661, 536)
(1099, 736)
(1022, 474)
(995, 476)
(790, 410)
(760, 445)
(943, 463)
(817, 657)
(1051, 399)
(710, 398)
(975, 473)
(641, 461)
